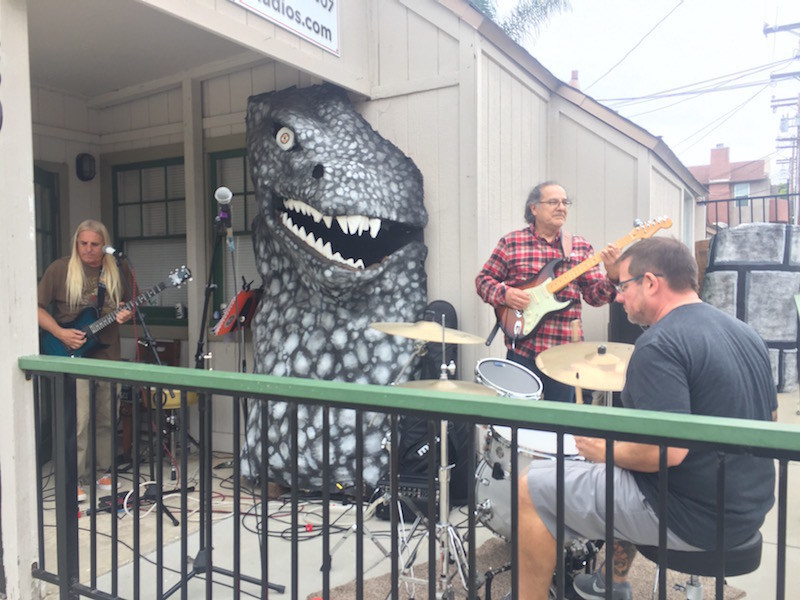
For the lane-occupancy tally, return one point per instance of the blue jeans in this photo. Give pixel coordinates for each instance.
(551, 389)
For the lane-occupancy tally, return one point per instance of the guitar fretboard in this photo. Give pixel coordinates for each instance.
(111, 317)
(643, 231)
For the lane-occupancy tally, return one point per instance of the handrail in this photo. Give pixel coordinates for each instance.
(694, 429)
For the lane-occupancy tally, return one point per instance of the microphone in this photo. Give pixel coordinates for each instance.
(223, 196)
(113, 252)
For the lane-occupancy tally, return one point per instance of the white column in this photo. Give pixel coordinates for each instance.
(17, 305)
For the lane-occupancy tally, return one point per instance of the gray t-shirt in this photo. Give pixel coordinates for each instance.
(702, 361)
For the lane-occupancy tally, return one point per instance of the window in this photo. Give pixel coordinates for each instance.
(742, 190)
(45, 193)
(150, 226)
(231, 169)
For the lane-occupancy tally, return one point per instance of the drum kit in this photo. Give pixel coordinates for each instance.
(588, 365)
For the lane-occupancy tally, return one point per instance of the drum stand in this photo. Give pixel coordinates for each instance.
(450, 544)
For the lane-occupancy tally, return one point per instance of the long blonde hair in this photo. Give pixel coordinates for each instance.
(110, 272)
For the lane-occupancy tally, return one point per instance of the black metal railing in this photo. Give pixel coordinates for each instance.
(730, 212)
(141, 576)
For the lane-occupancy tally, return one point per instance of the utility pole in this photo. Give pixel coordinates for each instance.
(791, 126)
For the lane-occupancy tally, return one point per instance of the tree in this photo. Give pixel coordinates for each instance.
(525, 18)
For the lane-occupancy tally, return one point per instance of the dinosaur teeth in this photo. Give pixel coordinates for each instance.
(374, 227)
(297, 219)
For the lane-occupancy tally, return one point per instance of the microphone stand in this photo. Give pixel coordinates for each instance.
(202, 560)
(150, 343)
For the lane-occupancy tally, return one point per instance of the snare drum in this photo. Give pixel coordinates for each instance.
(508, 378)
(493, 475)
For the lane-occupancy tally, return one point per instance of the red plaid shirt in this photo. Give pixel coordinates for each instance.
(518, 257)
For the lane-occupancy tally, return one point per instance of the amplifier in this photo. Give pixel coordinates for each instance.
(409, 487)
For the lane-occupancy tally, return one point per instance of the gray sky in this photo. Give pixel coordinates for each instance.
(700, 41)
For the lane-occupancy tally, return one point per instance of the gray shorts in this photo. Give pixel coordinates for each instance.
(585, 504)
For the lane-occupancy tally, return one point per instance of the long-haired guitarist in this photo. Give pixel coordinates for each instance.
(87, 279)
(524, 256)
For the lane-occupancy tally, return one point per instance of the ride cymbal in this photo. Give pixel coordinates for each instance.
(449, 385)
(590, 365)
(427, 331)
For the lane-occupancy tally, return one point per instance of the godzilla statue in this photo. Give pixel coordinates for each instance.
(338, 244)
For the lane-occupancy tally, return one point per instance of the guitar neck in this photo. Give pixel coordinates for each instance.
(111, 317)
(566, 278)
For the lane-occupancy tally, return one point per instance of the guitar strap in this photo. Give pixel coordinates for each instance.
(101, 293)
(566, 243)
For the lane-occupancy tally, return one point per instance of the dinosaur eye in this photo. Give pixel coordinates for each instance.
(285, 138)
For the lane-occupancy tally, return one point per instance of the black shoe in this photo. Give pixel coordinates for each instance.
(593, 587)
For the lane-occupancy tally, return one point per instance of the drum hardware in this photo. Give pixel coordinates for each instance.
(451, 546)
(589, 365)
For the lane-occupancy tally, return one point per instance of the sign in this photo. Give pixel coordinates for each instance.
(316, 21)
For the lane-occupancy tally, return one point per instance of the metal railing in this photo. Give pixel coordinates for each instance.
(75, 579)
(730, 212)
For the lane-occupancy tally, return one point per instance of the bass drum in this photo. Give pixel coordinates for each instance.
(493, 474)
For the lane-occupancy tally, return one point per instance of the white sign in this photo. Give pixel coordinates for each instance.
(314, 20)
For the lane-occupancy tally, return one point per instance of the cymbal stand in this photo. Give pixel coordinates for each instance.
(450, 543)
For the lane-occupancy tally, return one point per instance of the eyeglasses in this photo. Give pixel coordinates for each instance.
(555, 203)
(620, 287)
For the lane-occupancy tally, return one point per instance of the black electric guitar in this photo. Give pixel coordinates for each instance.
(91, 323)
(519, 324)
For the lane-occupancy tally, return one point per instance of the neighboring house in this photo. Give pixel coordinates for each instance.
(738, 192)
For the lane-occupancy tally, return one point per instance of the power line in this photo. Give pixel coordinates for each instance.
(722, 119)
(690, 89)
(628, 53)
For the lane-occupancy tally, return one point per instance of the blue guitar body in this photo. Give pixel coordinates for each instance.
(52, 346)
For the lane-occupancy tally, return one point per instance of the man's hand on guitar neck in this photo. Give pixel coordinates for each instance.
(516, 298)
(124, 315)
(610, 254)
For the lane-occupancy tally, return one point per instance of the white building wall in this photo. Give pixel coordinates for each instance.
(18, 305)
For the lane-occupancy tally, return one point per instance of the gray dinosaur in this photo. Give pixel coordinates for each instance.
(338, 244)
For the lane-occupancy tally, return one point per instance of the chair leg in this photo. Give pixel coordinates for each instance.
(655, 584)
(694, 588)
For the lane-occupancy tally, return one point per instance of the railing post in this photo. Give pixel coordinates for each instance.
(66, 459)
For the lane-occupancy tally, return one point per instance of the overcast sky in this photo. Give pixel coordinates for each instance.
(691, 42)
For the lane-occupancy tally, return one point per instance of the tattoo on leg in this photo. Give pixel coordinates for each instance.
(624, 553)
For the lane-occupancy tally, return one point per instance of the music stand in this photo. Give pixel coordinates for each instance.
(200, 563)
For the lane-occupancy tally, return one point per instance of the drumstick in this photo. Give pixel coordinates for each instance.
(575, 327)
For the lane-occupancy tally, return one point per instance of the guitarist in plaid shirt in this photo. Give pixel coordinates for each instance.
(520, 256)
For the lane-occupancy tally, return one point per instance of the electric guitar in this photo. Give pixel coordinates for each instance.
(91, 323)
(519, 324)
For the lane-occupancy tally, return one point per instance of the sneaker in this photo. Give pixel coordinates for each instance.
(81, 495)
(104, 483)
(593, 587)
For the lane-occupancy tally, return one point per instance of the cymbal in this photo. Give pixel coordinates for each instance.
(428, 331)
(590, 365)
(449, 385)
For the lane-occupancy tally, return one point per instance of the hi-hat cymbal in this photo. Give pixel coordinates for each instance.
(590, 365)
(427, 331)
(449, 385)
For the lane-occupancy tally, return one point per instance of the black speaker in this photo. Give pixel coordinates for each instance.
(85, 167)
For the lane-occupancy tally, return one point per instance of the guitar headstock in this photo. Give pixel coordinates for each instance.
(179, 276)
(649, 229)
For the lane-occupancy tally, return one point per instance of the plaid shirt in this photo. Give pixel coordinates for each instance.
(518, 257)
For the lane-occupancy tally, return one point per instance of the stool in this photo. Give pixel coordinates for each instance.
(739, 560)
(170, 402)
